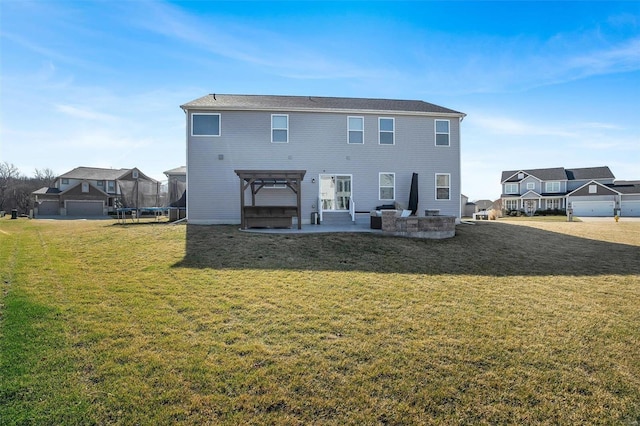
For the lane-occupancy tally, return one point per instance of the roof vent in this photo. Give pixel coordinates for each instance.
(520, 175)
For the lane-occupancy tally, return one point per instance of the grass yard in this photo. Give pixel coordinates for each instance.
(514, 322)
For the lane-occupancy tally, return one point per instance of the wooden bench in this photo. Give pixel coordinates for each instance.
(269, 216)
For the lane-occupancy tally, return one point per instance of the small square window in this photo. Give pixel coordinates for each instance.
(100, 183)
(531, 185)
(205, 124)
(65, 181)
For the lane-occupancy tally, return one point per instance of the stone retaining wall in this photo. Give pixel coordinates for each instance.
(434, 227)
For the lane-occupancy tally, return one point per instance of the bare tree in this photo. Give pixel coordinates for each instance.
(45, 177)
(9, 174)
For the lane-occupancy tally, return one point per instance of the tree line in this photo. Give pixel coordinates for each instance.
(16, 188)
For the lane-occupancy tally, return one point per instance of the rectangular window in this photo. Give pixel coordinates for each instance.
(387, 185)
(552, 186)
(205, 124)
(531, 185)
(100, 183)
(443, 186)
(511, 204)
(442, 132)
(111, 186)
(279, 128)
(510, 188)
(386, 130)
(85, 186)
(553, 204)
(65, 181)
(593, 189)
(356, 129)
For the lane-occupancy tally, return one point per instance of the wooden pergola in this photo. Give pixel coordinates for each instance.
(270, 216)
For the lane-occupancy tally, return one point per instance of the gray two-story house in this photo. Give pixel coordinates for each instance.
(328, 155)
(589, 191)
(93, 191)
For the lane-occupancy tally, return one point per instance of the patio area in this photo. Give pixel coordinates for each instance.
(362, 224)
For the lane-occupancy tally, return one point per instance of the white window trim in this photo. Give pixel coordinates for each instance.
(507, 185)
(207, 136)
(546, 186)
(85, 187)
(436, 133)
(593, 188)
(393, 132)
(531, 185)
(349, 131)
(380, 186)
(279, 128)
(436, 186)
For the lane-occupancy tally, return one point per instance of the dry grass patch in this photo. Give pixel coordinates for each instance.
(158, 324)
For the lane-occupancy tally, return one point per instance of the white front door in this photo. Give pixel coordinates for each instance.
(335, 192)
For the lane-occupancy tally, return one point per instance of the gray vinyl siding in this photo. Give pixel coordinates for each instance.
(317, 144)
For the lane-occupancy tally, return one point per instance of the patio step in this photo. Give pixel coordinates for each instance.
(336, 219)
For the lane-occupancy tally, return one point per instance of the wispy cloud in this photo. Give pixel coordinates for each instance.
(84, 113)
(514, 127)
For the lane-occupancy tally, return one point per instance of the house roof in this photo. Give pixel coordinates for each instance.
(560, 173)
(182, 170)
(626, 188)
(94, 173)
(314, 103)
(587, 173)
(46, 190)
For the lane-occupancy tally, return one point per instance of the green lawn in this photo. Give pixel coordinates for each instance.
(510, 322)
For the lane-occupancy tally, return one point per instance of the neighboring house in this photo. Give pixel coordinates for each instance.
(337, 155)
(177, 186)
(468, 207)
(590, 191)
(90, 191)
(484, 205)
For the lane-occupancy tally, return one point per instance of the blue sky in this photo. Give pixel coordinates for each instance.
(543, 84)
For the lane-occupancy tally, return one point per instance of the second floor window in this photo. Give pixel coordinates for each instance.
(356, 129)
(386, 127)
(531, 185)
(552, 187)
(510, 188)
(279, 128)
(205, 124)
(442, 132)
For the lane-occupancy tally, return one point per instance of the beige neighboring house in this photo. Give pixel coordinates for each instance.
(93, 192)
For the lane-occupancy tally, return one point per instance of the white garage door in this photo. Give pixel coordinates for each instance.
(630, 208)
(592, 208)
(84, 208)
(48, 208)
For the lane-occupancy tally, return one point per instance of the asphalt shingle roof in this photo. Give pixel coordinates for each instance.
(94, 173)
(313, 103)
(560, 173)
